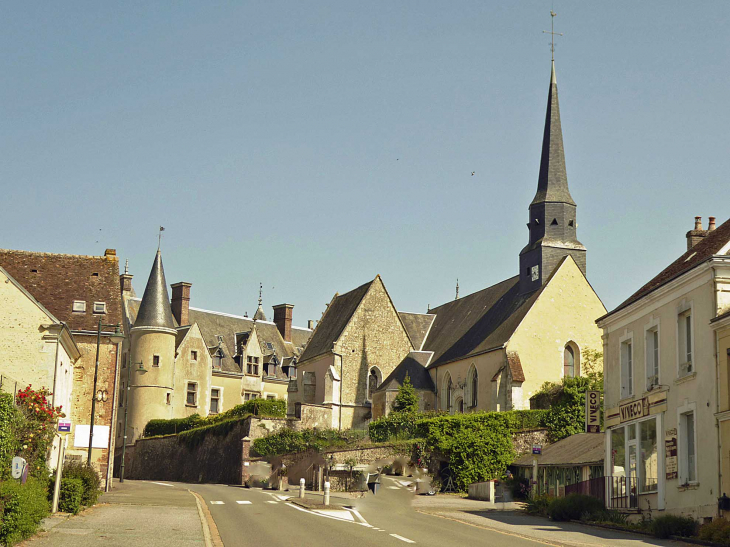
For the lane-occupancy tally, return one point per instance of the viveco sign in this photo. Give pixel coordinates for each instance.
(593, 411)
(635, 409)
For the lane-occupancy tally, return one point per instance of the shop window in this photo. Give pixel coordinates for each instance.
(649, 457)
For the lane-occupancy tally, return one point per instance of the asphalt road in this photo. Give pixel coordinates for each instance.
(252, 517)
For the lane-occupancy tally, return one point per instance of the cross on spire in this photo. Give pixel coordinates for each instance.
(552, 33)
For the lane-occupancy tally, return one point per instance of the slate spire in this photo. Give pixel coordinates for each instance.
(552, 182)
(155, 310)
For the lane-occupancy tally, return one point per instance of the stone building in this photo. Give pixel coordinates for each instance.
(78, 291)
(666, 378)
(490, 350)
(179, 360)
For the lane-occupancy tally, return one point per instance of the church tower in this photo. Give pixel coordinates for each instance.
(552, 221)
(153, 354)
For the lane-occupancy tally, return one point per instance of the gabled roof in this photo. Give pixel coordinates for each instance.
(335, 319)
(155, 310)
(479, 322)
(413, 365)
(56, 280)
(578, 449)
(417, 326)
(552, 182)
(710, 246)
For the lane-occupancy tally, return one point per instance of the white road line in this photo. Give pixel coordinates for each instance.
(357, 514)
(396, 536)
(394, 487)
(271, 501)
(243, 502)
(163, 484)
(217, 503)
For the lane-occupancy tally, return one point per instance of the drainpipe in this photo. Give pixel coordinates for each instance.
(342, 381)
(717, 422)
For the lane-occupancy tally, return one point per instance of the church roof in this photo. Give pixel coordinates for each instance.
(708, 247)
(417, 326)
(334, 321)
(552, 182)
(413, 365)
(155, 311)
(479, 322)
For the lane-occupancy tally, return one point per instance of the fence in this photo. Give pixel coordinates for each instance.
(623, 492)
(595, 488)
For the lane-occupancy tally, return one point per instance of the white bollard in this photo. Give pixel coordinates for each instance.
(327, 493)
(301, 488)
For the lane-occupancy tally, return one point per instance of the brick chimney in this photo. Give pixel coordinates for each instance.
(698, 234)
(711, 224)
(180, 302)
(125, 280)
(282, 318)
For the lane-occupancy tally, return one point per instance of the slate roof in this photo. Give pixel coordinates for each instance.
(56, 280)
(704, 250)
(232, 329)
(417, 326)
(552, 182)
(334, 321)
(155, 310)
(579, 449)
(413, 364)
(478, 322)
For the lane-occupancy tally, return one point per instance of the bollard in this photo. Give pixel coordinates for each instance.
(301, 488)
(327, 493)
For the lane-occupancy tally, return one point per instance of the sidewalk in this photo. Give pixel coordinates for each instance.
(133, 513)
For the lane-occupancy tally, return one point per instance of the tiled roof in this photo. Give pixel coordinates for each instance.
(56, 280)
(579, 449)
(515, 366)
(414, 365)
(705, 249)
(417, 326)
(478, 322)
(334, 321)
(155, 310)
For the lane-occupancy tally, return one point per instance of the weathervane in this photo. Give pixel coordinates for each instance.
(261, 288)
(159, 237)
(552, 33)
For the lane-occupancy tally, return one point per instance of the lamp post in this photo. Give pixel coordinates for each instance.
(115, 338)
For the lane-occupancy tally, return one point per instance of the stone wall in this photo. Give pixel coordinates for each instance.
(523, 440)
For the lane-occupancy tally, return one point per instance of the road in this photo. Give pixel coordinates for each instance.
(252, 517)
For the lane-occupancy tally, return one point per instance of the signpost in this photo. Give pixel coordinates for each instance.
(593, 411)
(64, 428)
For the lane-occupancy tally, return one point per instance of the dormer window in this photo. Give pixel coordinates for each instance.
(79, 306)
(217, 361)
(99, 307)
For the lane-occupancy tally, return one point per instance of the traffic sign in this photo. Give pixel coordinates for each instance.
(64, 426)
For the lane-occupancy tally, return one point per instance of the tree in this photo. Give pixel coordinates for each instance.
(407, 399)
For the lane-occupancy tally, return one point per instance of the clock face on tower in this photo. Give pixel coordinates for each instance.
(535, 273)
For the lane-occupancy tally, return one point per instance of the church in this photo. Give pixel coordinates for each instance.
(490, 350)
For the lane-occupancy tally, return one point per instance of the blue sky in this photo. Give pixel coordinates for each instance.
(313, 145)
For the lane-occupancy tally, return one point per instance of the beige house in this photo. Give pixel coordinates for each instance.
(665, 348)
(180, 360)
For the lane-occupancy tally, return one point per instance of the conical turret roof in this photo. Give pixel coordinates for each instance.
(260, 315)
(552, 182)
(154, 310)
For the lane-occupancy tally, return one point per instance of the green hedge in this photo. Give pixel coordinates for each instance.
(287, 441)
(70, 495)
(22, 508)
(89, 479)
(574, 507)
(9, 440)
(171, 427)
(194, 437)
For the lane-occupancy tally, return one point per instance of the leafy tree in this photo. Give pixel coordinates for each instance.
(407, 399)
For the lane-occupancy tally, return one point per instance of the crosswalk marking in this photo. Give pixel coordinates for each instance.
(217, 503)
(243, 502)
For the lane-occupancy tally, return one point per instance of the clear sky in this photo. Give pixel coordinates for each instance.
(313, 145)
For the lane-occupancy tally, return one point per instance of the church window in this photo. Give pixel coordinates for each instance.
(568, 362)
(472, 387)
(155, 360)
(192, 394)
(460, 405)
(215, 397)
(447, 393)
(374, 379)
(554, 222)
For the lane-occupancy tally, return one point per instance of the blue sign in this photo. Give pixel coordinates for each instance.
(64, 426)
(537, 449)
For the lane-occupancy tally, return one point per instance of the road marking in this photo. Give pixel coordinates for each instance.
(394, 487)
(163, 484)
(396, 536)
(243, 502)
(357, 514)
(336, 513)
(271, 501)
(282, 498)
(217, 503)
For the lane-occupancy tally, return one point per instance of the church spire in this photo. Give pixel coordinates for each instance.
(154, 310)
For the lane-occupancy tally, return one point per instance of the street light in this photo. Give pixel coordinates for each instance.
(115, 338)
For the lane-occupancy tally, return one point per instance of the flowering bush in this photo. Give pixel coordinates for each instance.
(36, 428)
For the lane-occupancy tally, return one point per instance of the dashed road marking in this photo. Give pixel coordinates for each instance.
(271, 501)
(396, 536)
(217, 503)
(163, 484)
(394, 487)
(243, 502)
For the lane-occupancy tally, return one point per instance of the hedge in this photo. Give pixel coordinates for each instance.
(269, 408)
(89, 479)
(22, 508)
(287, 441)
(70, 495)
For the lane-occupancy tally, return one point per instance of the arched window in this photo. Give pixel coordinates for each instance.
(472, 387)
(374, 379)
(571, 361)
(448, 390)
(460, 405)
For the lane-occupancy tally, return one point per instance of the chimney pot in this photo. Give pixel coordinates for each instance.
(283, 318)
(110, 252)
(711, 224)
(180, 302)
(698, 223)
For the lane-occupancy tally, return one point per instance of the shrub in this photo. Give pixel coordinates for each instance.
(538, 505)
(396, 425)
(406, 400)
(171, 427)
(573, 507)
(70, 495)
(286, 441)
(610, 516)
(9, 441)
(673, 525)
(718, 531)
(22, 507)
(519, 486)
(272, 408)
(89, 479)
(194, 437)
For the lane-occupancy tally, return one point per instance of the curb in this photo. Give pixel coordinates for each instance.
(210, 530)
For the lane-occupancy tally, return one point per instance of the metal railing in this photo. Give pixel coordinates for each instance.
(623, 492)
